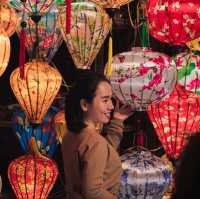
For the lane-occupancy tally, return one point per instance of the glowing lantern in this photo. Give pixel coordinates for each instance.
(144, 175)
(188, 66)
(4, 51)
(32, 176)
(142, 76)
(60, 125)
(90, 25)
(174, 21)
(48, 34)
(44, 134)
(37, 91)
(8, 19)
(175, 118)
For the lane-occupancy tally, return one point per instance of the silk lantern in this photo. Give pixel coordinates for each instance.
(44, 134)
(60, 125)
(90, 25)
(4, 51)
(37, 91)
(175, 118)
(188, 66)
(8, 19)
(47, 34)
(32, 176)
(145, 176)
(142, 76)
(174, 21)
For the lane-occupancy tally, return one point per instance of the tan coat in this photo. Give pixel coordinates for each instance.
(92, 165)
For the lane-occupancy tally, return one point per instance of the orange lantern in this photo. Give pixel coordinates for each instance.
(32, 176)
(4, 51)
(8, 19)
(60, 125)
(37, 91)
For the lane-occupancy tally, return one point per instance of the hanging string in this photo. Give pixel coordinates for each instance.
(68, 16)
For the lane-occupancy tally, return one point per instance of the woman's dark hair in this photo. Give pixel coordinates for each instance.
(84, 88)
(188, 171)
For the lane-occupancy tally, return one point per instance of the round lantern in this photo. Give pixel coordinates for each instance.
(142, 76)
(60, 125)
(37, 91)
(4, 51)
(174, 21)
(175, 118)
(44, 134)
(145, 176)
(8, 19)
(188, 66)
(90, 25)
(48, 34)
(32, 176)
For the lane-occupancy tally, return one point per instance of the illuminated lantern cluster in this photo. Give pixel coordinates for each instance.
(188, 66)
(142, 76)
(144, 175)
(174, 21)
(37, 91)
(175, 119)
(90, 25)
(32, 176)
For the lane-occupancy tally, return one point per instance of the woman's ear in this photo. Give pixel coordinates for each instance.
(84, 105)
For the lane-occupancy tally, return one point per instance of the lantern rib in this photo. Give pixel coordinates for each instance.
(35, 173)
(78, 41)
(85, 43)
(25, 177)
(120, 89)
(43, 186)
(131, 91)
(38, 90)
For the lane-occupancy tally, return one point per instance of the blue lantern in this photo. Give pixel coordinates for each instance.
(44, 133)
(145, 176)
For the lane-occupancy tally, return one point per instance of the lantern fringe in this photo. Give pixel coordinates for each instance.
(110, 54)
(22, 52)
(68, 16)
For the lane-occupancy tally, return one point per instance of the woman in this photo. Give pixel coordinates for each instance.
(91, 164)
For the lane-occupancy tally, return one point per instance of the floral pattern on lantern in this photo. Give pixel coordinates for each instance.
(4, 51)
(8, 19)
(188, 66)
(32, 176)
(174, 21)
(142, 76)
(37, 91)
(60, 125)
(145, 176)
(44, 134)
(90, 25)
(175, 119)
(48, 34)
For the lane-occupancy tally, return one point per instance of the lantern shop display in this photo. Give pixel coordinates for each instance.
(45, 134)
(46, 33)
(188, 66)
(90, 25)
(8, 19)
(142, 76)
(175, 118)
(32, 177)
(145, 176)
(60, 125)
(37, 91)
(4, 51)
(174, 21)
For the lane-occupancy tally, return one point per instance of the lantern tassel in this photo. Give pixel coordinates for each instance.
(68, 16)
(22, 52)
(110, 54)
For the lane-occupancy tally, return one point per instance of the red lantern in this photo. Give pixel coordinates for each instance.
(175, 118)
(174, 21)
(32, 176)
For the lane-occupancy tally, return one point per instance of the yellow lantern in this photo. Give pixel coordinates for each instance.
(60, 125)
(8, 19)
(4, 51)
(37, 91)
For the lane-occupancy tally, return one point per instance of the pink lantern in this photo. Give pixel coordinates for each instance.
(175, 118)
(174, 21)
(142, 76)
(188, 66)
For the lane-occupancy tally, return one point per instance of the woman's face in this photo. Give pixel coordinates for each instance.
(99, 110)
